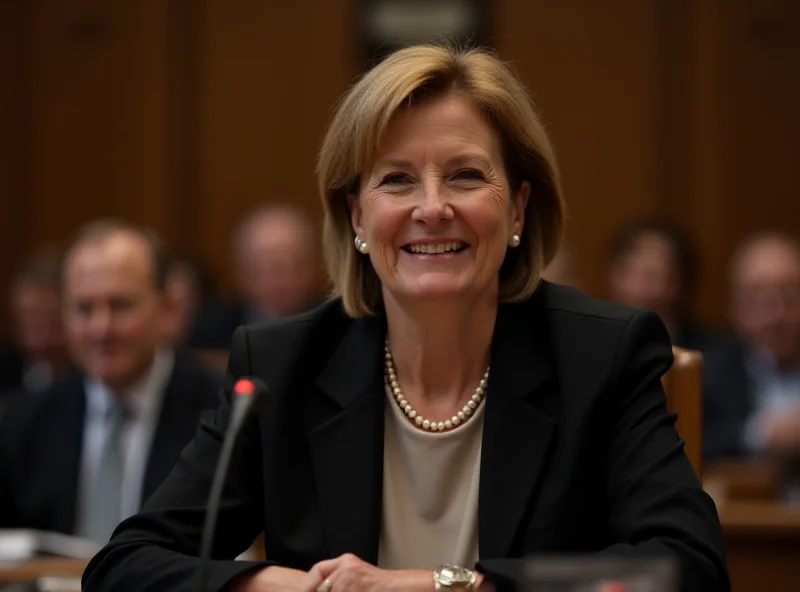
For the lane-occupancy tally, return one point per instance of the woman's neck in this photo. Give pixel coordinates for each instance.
(441, 351)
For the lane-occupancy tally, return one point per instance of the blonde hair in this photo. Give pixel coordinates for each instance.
(359, 125)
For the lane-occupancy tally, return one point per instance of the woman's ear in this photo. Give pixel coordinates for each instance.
(354, 205)
(519, 204)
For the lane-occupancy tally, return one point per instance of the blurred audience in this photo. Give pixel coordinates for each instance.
(653, 267)
(563, 269)
(38, 354)
(752, 388)
(276, 269)
(86, 453)
(190, 286)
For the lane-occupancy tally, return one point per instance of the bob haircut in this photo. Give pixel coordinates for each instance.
(410, 76)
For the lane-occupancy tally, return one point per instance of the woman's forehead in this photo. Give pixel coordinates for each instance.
(446, 129)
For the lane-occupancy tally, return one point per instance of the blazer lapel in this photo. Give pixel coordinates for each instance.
(175, 426)
(516, 435)
(161, 455)
(347, 448)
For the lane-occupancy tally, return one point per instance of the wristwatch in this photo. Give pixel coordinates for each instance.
(453, 578)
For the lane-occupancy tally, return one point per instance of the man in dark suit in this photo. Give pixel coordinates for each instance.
(752, 388)
(86, 453)
(38, 355)
(276, 271)
(12, 368)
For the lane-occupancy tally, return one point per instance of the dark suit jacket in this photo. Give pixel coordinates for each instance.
(727, 401)
(215, 324)
(698, 338)
(579, 453)
(11, 368)
(41, 444)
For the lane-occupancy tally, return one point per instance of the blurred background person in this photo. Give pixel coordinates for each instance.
(276, 269)
(653, 267)
(563, 269)
(88, 451)
(38, 353)
(752, 388)
(191, 288)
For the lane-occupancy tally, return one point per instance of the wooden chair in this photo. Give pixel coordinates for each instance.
(683, 385)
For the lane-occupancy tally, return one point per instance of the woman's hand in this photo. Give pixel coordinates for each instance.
(348, 573)
(273, 579)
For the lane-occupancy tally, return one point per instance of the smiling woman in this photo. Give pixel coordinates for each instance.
(447, 413)
(444, 124)
(437, 204)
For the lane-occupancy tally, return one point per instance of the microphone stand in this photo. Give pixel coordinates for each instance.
(246, 391)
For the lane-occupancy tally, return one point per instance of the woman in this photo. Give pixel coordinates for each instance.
(448, 407)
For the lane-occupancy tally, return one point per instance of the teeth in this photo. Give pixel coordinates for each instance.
(437, 248)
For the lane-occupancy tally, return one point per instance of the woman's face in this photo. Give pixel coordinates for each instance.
(436, 208)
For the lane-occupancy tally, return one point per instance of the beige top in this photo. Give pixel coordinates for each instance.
(430, 493)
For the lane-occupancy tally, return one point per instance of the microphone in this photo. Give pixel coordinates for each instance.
(245, 393)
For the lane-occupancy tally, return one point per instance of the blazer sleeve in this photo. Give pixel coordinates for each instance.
(158, 548)
(655, 504)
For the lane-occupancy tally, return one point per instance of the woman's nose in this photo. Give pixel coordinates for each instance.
(434, 206)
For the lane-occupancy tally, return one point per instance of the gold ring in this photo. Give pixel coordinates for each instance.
(325, 586)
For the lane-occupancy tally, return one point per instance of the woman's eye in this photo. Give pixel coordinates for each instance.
(468, 175)
(394, 179)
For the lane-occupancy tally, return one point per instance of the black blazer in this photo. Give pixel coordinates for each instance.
(579, 453)
(41, 444)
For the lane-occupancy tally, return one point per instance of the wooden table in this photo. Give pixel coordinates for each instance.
(762, 539)
(31, 570)
(763, 544)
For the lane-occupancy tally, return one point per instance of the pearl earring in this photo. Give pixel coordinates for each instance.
(361, 245)
(515, 240)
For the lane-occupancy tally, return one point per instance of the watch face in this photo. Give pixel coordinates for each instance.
(450, 575)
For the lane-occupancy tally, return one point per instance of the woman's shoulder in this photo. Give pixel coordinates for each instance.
(588, 332)
(577, 320)
(323, 348)
(304, 343)
(564, 300)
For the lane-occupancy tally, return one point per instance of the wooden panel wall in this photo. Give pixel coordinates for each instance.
(591, 67)
(681, 108)
(184, 114)
(271, 74)
(744, 129)
(100, 103)
(15, 74)
(181, 114)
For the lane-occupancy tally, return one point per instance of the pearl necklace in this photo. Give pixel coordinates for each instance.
(422, 422)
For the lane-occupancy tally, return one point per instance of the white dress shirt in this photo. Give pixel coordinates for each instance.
(144, 401)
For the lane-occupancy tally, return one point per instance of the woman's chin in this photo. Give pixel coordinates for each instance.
(438, 291)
